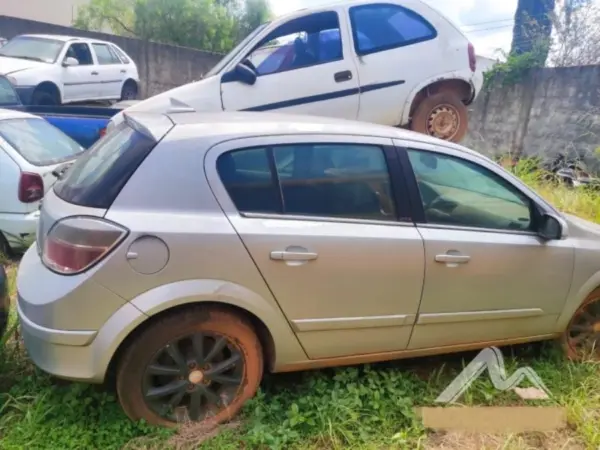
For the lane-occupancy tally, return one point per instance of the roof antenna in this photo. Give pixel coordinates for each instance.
(178, 106)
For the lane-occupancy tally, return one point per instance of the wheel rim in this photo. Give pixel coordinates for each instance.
(193, 378)
(583, 335)
(129, 94)
(443, 122)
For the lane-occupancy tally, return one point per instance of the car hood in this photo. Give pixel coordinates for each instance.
(11, 65)
(581, 228)
(202, 96)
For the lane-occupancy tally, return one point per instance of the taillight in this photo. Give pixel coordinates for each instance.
(472, 58)
(75, 244)
(31, 187)
(102, 131)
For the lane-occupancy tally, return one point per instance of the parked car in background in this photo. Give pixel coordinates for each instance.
(397, 62)
(84, 124)
(55, 70)
(30, 150)
(4, 301)
(190, 252)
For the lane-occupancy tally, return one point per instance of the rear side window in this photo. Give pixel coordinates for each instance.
(39, 142)
(105, 55)
(120, 54)
(380, 27)
(99, 174)
(327, 180)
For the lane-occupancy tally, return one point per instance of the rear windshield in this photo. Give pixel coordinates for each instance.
(39, 142)
(8, 95)
(98, 176)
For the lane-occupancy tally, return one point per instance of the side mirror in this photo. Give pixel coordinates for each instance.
(241, 73)
(70, 62)
(553, 228)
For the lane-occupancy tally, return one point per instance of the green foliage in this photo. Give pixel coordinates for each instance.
(211, 25)
(516, 67)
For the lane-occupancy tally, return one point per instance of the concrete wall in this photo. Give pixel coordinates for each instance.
(552, 110)
(161, 66)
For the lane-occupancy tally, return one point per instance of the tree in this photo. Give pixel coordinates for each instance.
(576, 34)
(212, 25)
(533, 27)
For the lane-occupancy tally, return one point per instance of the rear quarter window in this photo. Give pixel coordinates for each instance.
(39, 142)
(98, 176)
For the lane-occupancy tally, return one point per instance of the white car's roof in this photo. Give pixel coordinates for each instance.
(11, 114)
(58, 37)
(249, 124)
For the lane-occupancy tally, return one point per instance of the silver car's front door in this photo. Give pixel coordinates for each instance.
(489, 276)
(347, 274)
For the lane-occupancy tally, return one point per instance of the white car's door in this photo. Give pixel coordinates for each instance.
(80, 82)
(305, 67)
(398, 49)
(110, 69)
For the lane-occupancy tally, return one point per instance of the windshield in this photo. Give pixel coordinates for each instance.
(8, 95)
(33, 48)
(233, 53)
(39, 142)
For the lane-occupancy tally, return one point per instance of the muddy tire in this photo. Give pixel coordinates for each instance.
(198, 365)
(581, 339)
(441, 115)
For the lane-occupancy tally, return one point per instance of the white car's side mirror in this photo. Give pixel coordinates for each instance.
(70, 62)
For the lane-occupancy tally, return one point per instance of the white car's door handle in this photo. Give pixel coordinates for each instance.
(453, 259)
(293, 256)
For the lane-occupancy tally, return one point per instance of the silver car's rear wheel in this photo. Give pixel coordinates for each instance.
(192, 366)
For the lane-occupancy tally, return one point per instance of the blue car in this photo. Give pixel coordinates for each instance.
(84, 124)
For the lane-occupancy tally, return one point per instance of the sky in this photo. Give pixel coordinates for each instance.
(487, 23)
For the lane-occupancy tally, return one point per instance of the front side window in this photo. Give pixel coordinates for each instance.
(105, 55)
(81, 52)
(299, 43)
(33, 49)
(461, 193)
(39, 142)
(380, 27)
(327, 180)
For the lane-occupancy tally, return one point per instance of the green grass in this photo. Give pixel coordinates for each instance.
(364, 407)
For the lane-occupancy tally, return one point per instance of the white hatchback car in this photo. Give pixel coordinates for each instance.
(31, 149)
(397, 63)
(52, 70)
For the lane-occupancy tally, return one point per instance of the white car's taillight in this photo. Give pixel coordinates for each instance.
(75, 244)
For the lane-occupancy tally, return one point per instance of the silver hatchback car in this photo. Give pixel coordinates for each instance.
(188, 253)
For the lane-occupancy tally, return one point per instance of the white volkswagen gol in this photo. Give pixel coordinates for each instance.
(397, 63)
(188, 253)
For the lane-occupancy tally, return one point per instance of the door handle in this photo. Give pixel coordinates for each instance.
(452, 259)
(293, 256)
(94, 73)
(340, 77)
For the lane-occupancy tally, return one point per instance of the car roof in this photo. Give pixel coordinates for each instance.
(58, 37)
(12, 114)
(255, 124)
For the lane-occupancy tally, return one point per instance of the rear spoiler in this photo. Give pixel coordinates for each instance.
(152, 125)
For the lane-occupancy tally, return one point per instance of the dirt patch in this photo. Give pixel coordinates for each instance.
(562, 440)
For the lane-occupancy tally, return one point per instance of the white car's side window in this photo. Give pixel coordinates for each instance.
(461, 193)
(81, 52)
(300, 43)
(105, 55)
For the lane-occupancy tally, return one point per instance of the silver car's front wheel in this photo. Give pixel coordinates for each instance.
(581, 340)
